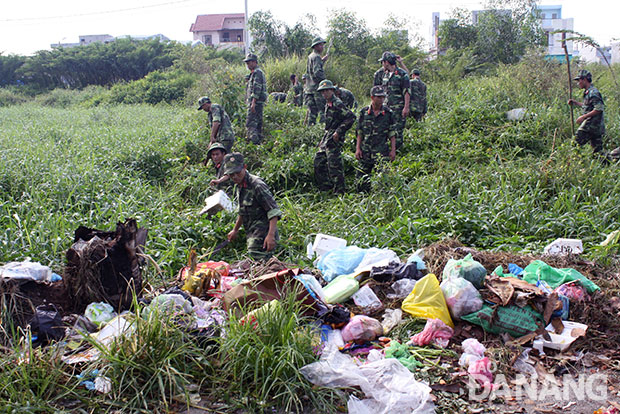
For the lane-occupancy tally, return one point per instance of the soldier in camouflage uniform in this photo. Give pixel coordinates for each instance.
(376, 137)
(221, 128)
(314, 69)
(592, 122)
(419, 105)
(255, 95)
(346, 96)
(395, 83)
(297, 91)
(258, 211)
(328, 167)
(216, 154)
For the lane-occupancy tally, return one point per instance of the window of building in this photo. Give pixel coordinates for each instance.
(554, 16)
(206, 39)
(226, 37)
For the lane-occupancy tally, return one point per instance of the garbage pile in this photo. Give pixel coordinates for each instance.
(381, 322)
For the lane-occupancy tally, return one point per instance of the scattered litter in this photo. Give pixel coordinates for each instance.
(461, 296)
(391, 318)
(26, 271)
(561, 341)
(435, 332)
(427, 301)
(362, 328)
(564, 246)
(340, 262)
(217, 202)
(341, 288)
(324, 243)
(99, 312)
(401, 288)
(516, 114)
(467, 268)
(367, 300)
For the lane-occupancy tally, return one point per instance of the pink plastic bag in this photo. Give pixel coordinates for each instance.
(362, 328)
(481, 372)
(435, 331)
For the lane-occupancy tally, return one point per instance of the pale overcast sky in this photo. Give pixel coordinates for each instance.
(30, 25)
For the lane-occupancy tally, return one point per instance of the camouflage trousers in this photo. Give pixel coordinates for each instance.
(366, 165)
(595, 140)
(227, 141)
(254, 124)
(418, 116)
(328, 166)
(400, 121)
(316, 107)
(255, 242)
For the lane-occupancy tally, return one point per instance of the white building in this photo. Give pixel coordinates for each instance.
(551, 20)
(592, 54)
(615, 53)
(219, 30)
(106, 38)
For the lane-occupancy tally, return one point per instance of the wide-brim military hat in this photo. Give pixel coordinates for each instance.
(214, 146)
(251, 57)
(583, 73)
(203, 100)
(377, 91)
(233, 163)
(317, 40)
(389, 56)
(325, 84)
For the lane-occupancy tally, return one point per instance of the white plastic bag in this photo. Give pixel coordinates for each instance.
(473, 351)
(391, 318)
(376, 257)
(366, 299)
(99, 312)
(26, 270)
(402, 288)
(461, 296)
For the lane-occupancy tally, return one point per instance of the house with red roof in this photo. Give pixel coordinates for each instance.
(219, 30)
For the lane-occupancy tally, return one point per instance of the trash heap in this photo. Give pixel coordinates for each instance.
(400, 332)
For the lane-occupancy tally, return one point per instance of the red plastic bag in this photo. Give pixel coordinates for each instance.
(435, 331)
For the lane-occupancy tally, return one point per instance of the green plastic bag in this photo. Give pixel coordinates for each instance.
(466, 268)
(401, 352)
(539, 270)
(341, 289)
(511, 319)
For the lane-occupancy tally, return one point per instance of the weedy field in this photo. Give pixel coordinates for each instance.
(466, 172)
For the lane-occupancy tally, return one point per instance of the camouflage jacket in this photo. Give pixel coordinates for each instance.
(297, 94)
(592, 100)
(418, 96)
(256, 206)
(338, 118)
(256, 87)
(315, 72)
(218, 114)
(346, 96)
(395, 84)
(376, 130)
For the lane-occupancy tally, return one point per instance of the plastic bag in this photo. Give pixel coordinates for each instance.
(26, 270)
(427, 301)
(367, 300)
(376, 257)
(461, 296)
(467, 268)
(340, 262)
(436, 332)
(99, 312)
(312, 286)
(401, 352)
(402, 288)
(472, 351)
(573, 291)
(341, 289)
(47, 323)
(539, 270)
(510, 319)
(391, 318)
(362, 328)
(481, 372)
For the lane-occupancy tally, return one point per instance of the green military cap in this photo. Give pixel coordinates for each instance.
(416, 72)
(317, 40)
(233, 163)
(214, 146)
(325, 84)
(250, 56)
(377, 91)
(389, 56)
(583, 73)
(202, 101)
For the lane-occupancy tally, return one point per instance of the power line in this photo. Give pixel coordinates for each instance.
(29, 19)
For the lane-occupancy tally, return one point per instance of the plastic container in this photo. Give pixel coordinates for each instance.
(366, 299)
(562, 341)
(217, 202)
(341, 289)
(324, 243)
(564, 246)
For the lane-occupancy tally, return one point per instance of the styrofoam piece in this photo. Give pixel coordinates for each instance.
(217, 202)
(324, 243)
(565, 246)
(562, 341)
(516, 114)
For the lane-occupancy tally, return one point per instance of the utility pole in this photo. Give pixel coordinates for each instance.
(246, 35)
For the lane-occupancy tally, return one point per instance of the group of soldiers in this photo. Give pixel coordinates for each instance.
(379, 133)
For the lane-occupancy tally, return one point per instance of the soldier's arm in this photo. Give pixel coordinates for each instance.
(360, 136)
(233, 233)
(347, 121)
(401, 62)
(217, 122)
(318, 73)
(270, 239)
(259, 82)
(267, 202)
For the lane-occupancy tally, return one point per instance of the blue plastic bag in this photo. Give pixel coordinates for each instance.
(340, 262)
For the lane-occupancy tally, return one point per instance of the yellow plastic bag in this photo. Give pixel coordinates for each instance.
(426, 301)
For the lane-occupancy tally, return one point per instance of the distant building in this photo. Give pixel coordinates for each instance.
(551, 20)
(106, 38)
(219, 30)
(615, 52)
(434, 46)
(592, 54)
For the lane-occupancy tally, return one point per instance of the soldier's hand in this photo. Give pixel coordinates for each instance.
(232, 235)
(358, 154)
(335, 136)
(392, 155)
(581, 119)
(573, 102)
(270, 243)
(325, 58)
(253, 106)
(213, 183)
(405, 112)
